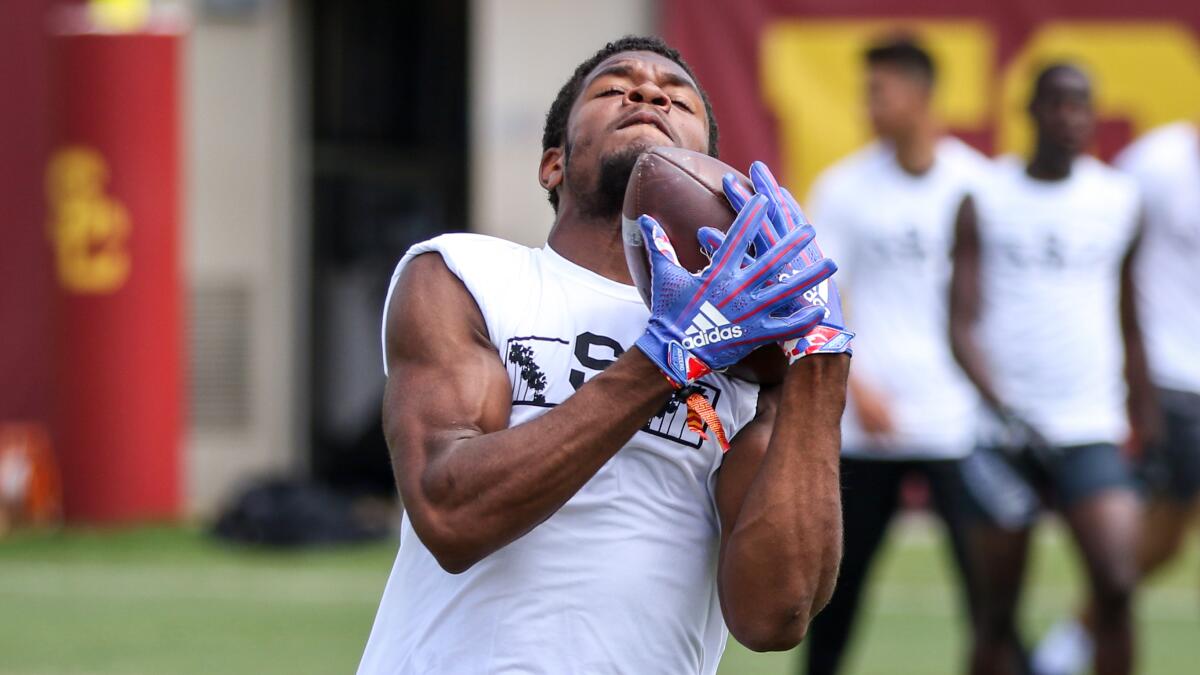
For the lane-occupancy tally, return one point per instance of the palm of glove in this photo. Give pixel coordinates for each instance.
(712, 319)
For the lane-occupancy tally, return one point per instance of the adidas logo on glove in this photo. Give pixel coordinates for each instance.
(709, 327)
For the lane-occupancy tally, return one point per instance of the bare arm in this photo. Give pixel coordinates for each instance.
(1144, 414)
(965, 301)
(779, 499)
(470, 483)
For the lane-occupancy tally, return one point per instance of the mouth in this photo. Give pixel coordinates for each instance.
(649, 118)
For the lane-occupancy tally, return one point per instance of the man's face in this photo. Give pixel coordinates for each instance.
(897, 100)
(1062, 110)
(630, 102)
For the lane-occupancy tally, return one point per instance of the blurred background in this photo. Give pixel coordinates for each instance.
(201, 204)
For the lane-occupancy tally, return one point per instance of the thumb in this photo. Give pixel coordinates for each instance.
(658, 246)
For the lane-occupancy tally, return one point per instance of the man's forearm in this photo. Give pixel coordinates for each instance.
(483, 490)
(970, 359)
(781, 558)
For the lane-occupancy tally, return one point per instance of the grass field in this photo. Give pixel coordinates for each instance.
(166, 601)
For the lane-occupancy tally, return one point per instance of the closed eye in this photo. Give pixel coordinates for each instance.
(610, 92)
(682, 104)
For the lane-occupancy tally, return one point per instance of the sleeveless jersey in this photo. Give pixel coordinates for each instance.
(622, 578)
(890, 233)
(1050, 320)
(1166, 164)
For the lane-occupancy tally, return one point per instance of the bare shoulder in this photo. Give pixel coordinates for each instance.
(431, 312)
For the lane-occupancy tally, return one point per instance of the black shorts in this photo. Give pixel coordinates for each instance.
(1172, 467)
(1009, 489)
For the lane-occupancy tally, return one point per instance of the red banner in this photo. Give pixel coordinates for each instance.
(786, 76)
(112, 188)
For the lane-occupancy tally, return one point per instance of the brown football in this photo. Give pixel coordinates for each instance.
(682, 190)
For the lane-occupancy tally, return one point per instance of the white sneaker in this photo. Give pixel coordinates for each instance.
(1065, 650)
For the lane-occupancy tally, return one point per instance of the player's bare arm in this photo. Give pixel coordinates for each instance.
(778, 490)
(779, 500)
(470, 483)
(965, 302)
(1144, 413)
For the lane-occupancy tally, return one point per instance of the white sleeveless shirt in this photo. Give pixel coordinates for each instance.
(1166, 164)
(1050, 274)
(891, 233)
(622, 579)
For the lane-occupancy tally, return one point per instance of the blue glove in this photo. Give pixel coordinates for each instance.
(783, 216)
(711, 320)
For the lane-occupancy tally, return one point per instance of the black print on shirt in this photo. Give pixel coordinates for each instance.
(590, 353)
(528, 380)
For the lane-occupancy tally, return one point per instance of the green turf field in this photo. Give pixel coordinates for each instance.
(161, 601)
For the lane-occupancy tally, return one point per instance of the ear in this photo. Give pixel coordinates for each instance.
(552, 169)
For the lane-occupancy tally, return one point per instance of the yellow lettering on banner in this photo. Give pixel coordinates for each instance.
(814, 81)
(1146, 72)
(88, 228)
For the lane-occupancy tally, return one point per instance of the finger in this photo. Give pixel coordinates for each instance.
(790, 327)
(658, 246)
(801, 219)
(779, 294)
(768, 265)
(797, 324)
(740, 234)
(772, 260)
(710, 240)
(765, 183)
(735, 192)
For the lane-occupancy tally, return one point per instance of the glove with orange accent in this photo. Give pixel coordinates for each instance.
(712, 319)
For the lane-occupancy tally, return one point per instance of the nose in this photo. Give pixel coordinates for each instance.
(648, 92)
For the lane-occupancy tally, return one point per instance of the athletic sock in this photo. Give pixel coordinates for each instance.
(1065, 650)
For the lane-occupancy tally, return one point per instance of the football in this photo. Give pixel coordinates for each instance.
(681, 189)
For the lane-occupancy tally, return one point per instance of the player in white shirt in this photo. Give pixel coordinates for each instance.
(887, 216)
(561, 516)
(1043, 321)
(1166, 165)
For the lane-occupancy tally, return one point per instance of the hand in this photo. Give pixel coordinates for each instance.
(1021, 437)
(874, 415)
(783, 216)
(1145, 425)
(711, 320)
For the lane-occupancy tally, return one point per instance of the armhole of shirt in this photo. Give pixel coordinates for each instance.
(461, 254)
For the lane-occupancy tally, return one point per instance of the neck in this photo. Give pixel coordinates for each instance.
(593, 244)
(915, 149)
(1050, 162)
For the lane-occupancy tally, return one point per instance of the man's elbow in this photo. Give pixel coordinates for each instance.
(454, 562)
(772, 634)
(454, 551)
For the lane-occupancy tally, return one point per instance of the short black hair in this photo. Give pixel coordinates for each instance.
(903, 52)
(1047, 72)
(555, 131)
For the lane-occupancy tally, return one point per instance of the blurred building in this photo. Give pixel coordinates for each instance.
(320, 139)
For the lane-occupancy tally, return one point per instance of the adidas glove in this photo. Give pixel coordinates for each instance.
(783, 216)
(712, 319)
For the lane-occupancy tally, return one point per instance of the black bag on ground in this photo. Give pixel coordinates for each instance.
(290, 513)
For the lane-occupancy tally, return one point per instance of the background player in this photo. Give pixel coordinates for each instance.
(1166, 164)
(548, 526)
(887, 216)
(1042, 290)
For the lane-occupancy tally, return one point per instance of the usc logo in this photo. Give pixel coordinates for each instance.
(88, 228)
(1147, 73)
